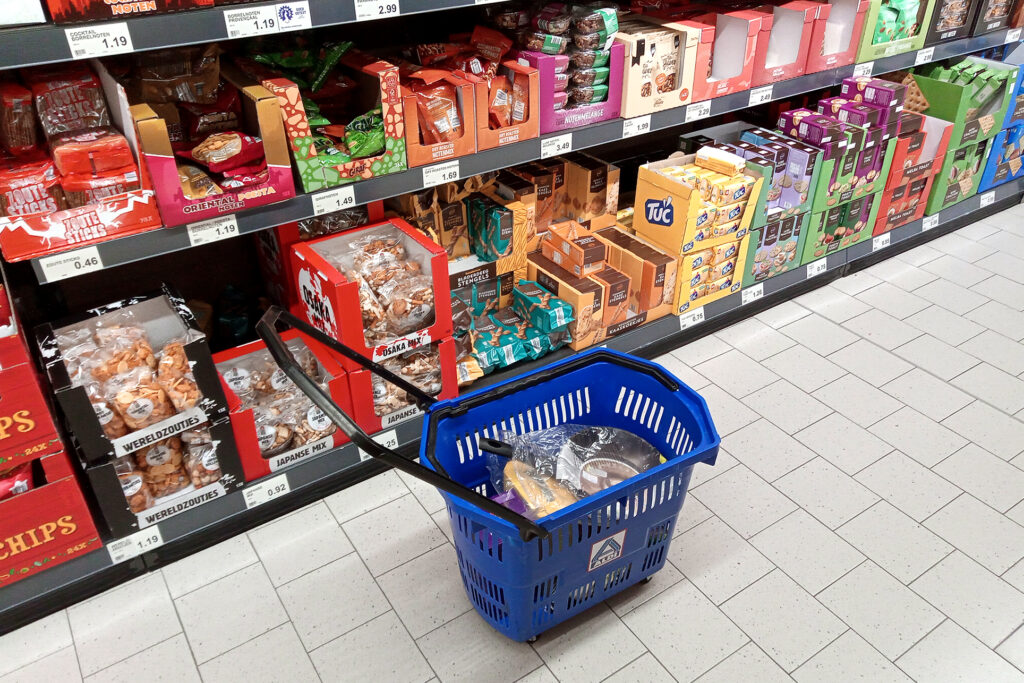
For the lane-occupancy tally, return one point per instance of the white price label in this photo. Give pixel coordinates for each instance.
(929, 222)
(1013, 35)
(388, 439)
(760, 95)
(751, 294)
(250, 21)
(988, 198)
(441, 173)
(881, 242)
(70, 264)
(817, 268)
(213, 230)
(555, 145)
(265, 491)
(863, 69)
(691, 318)
(124, 549)
(636, 126)
(330, 201)
(924, 56)
(376, 9)
(698, 111)
(99, 40)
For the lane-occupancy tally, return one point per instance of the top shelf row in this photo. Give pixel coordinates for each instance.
(47, 43)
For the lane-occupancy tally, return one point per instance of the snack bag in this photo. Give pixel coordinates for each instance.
(500, 102)
(195, 183)
(17, 119)
(82, 189)
(133, 485)
(30, 188)
(439, 113)
(68, 98)
(97, 150)
(224, 151)
(16, 480)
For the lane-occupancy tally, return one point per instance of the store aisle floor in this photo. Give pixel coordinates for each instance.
(865, 521)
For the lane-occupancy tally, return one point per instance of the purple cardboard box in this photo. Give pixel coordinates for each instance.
(874, 90)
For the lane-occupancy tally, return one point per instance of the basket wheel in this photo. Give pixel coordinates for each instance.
(647, 579)
(532, 640)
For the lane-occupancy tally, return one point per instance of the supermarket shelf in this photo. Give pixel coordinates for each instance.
(340, 468)
(49, 43)
(167, 240)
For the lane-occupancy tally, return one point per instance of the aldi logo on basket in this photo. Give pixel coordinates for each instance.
(608, 550)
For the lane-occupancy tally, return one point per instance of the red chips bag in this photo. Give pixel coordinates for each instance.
(439, 113)
(224, 151)
(16, 480)
(499, 103)
(80, 189)
(490, 43)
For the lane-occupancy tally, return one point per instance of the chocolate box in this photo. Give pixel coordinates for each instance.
(584, 295)
(881, 38)
(659, 68)
(652, 271)
(617, 292)
(959, 176)
(575, 248)
(774, 249)
(839, 227)
(591, 187)
(951, 20)
(992, 15)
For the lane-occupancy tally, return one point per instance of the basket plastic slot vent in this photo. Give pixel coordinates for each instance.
(544, 614)
(489, 543)
(581, 595)
(495, 613)
(483, 585)
(617, 576)
(659, 533)
(545, 589)
(653, 559)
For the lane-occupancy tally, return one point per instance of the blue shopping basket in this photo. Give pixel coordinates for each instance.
(523, 576)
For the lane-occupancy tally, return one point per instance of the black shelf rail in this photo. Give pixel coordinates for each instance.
(168, 240)
(311, 480)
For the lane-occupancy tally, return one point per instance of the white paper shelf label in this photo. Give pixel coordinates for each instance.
(441, 173)
(330, 201)
(929, 222)
(863, 69)
(698, 111)
(751, 294)
(555, 145)
(213, 230)
(1013, 35)
(639, 125)
(881, 242)
(817, 268)
(265, 491)
(377, 9)
(99, 40)
(691, 318)
(124, 549)
(760, 95)
(71, 263)
(924, 56)
(267, 19)
(988, 198)
(388, 439)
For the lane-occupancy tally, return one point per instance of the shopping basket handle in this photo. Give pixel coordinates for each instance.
(267, 329)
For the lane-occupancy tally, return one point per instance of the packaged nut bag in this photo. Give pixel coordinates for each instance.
(138, 398)
(421, 368)
(163, 466)
(201, 457)
(411, 304)
(111, 423)
(313, 425)
(275, 426)
(135, 489)
(174, 374)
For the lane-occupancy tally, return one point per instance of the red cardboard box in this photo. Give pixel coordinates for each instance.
(784, 41)
(836, 34)
(422, 153)
(330, 298)
(66, 11)
(46, 526)
(490, 138)
(243, 420)
(27, 430)
(915, 165)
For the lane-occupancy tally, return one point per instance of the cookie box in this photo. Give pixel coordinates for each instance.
(659, 68)
(102, 427)
(959, 176)
(838, 228)
(1015, 112)
(1004, 158)
(903, 204)
(331, 272)
(591, 187)
(893, 27)
(68, 11)
(920, 153)
(951, 20)
(784, 40)
(791, 193)
(992, 15)
(47, 525)
(574, 248)
(774, 249)
(585, 295)
(254, 439)
(836, 34)
(422, 153)
(378, 85)
(490, 138)
(652, 271)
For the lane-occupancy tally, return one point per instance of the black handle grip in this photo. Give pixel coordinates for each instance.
(267, 329)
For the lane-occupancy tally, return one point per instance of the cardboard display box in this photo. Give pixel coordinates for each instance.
(784, 41)
(68, 11)
(491, 138)
(836, 35)
(876, 41)
(774, 249)
(1003, 163)
(708, 270)
(660, 57)
(959, 176)
(27, 430)
(920, 153)
(838, 228)
(422, 153)
(992, 15)
(951, 20)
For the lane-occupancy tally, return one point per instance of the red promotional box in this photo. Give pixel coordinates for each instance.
(261, 448)
(915, 165)
(27, 430)
(66, 11)
(784, 41)
(47, 525)
(381, 290)
(836, 34)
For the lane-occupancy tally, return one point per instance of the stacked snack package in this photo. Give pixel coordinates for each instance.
(78, 159)
(420, 367)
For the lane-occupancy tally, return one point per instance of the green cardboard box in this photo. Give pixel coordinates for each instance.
(839, 227)
(774, 248)
(960, 176)
(880, 39)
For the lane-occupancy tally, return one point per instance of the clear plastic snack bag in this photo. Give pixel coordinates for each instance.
(134, 487)
(138, 398)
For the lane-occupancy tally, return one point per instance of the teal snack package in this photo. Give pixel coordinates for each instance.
(543, 309)
(486, 294)
(494, 346)
(534, 341)
(498, 226)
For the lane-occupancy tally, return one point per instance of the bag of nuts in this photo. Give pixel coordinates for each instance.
(163, 466)
(174, 374)
(201, 457)
(135, 489)
(138, 398)
(111, 423)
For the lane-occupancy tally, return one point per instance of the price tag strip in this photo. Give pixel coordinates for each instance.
(881, 242)
(751, 294)
(924, 56)
(388, 439)
(99, 40)
(441, 173)
(266, 491)
(212, 230)
(70, 264)
(267, 19)
(817, 268)
(760, 95)
(691, 318)
(377, 9)
(929, 222)
(1013, 35)
(865, 69)
(555, 145)
(698, 111)
(124, 549)
(638, 125)
(988, 198)
(337, 199)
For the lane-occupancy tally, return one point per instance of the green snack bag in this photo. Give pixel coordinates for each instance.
(364, 136)
(313, 115)
(329, 57)
(497, 243)
(287, 59)
(544, 310)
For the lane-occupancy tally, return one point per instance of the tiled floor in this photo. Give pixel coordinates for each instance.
(865, 521)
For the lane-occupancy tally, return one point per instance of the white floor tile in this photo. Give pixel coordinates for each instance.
(641, 670)
(682, 371)
(299, 543)
(855, 283)
(379, 650)
(832, 304)
(736, 373)
(206, 566)
(784, 619)
(846, 445)
(825, 491)
(121, 622)
(919, 255)
(539, 675)
(935, 356)
(908, 485)
(819, 334)
(427, 495)
(703, 472)
(717, 560)
(871, 363)
(786, 406)
(981, 532)
(626, 601)
(444, 523)
(804, 368)
(1013, 649)
(744, 501)
(927, 394)
(994, 431)
(903, 275)
(59, 667)
(275, 656)
(893, 300)
(973, 597)
(857, 400)
(729, 414)
(881, 609)
(995, 482)
(755, 338)
(963, 246)
(809, 552)
(705, 348)
(994, 348)
(749, 663)
(784, 313)
(977, 231)
(1003, 290)
(588, 647)
(226, 613)
(956, 270)
(34, 642)
(998, 317)
(446, 650)
(882, 329)
(392, 534)
(1004, 264)
(366, 496)
(951, 296)
(322, 615)
(709, 636)
(1004, 240)
(944, 325)
(693, 513)
(170, 660)
(767, 450)
(894, 541)
(1016, 513)
(849, 658)
(918, 436)
(425, 603)
(992, 385)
